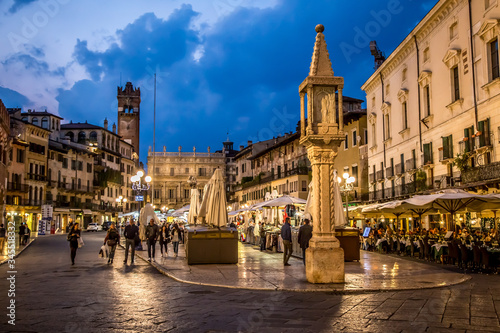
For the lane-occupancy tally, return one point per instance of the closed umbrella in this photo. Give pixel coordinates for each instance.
(216, 207)
(202, 213)
(194, 206)
(338, 206)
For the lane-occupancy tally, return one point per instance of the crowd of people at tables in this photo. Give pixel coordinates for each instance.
(466, 247)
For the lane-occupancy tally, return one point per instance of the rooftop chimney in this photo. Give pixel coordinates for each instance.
(105, 123)
(242, 147)
(114, 128)
(249, 142)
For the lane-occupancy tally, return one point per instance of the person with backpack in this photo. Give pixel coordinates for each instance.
(112, 239)
(152, 233)
(73, 237)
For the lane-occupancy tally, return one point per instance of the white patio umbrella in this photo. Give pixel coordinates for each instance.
(180, 211)
(282, 201)
(194, 206)
(216, 212)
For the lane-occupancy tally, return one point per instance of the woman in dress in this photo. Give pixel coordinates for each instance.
(73, 237)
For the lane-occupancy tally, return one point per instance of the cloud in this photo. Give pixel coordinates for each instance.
(25, 62)
(18, 4)
(246, 66)
(13, 99)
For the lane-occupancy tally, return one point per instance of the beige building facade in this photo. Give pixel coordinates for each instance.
(171, 171)
(437, 96)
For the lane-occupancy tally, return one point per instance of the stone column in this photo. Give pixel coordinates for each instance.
(324, 257)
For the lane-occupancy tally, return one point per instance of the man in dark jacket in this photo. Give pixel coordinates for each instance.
(130, 233)
(305, 234)
(152, 233)
(286, 235)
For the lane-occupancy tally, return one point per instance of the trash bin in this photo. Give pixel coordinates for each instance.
(349, 241)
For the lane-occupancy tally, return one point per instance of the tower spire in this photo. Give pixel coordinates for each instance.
(320, 64)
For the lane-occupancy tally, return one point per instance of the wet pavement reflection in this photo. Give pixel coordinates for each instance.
(92, 296)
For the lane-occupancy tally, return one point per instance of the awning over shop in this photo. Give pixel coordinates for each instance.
(62, 210)
(87, 212)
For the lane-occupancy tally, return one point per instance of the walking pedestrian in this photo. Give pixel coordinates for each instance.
(151, 237)
(21, 233)
(164, 239)
(131, 233)
(262, 237)
(27, 234)
(305, 234)
(2, 238)
(73, 237)
(286, 235)
(112, 239)
(176, 237)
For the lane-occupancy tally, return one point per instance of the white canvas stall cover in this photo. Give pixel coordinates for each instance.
(194, 205)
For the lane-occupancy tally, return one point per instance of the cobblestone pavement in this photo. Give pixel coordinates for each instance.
(53, 296)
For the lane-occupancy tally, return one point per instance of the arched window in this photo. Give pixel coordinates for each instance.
(35, 196)
(34, 121)
(53, 124)
(70, 136)
(104, 139)
(93, 136)
(25, 119)
(40, 196)
(45, 122)
(82, 137)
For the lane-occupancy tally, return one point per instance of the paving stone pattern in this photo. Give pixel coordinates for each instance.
(53, 296)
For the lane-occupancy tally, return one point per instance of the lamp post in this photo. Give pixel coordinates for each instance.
(346, 188)
(138, 186)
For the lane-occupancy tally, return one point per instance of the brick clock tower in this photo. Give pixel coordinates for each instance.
(129, 107)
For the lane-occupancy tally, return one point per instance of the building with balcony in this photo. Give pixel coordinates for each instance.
(27, 171)
(353, 154)
(434, 101)
(171, 171)
(111, 164)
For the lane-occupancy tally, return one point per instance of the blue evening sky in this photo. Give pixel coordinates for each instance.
(222, 65)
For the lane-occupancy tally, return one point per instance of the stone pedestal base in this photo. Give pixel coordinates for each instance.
(325, 265)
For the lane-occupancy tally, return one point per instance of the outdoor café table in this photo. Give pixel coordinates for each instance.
(439, 249)
(380, 241)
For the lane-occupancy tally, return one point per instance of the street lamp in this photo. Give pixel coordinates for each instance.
(346, 188)
(138, 186)
(120, 201)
